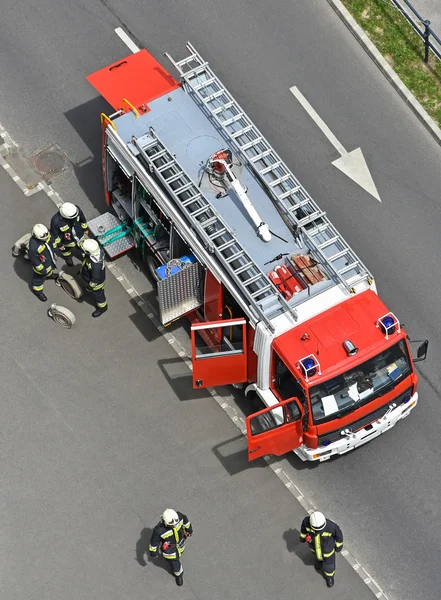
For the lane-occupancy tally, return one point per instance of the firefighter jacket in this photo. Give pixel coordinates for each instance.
(170, 540)
(41, 256)
(68, 232)
(324, 543)
(93, 271)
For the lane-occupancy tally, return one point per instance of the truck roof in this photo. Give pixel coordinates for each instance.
(190, 122)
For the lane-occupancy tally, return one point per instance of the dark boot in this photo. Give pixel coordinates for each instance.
(179, 579)
(330, 581)
(69, 261)
(99, 311)
(40, 296)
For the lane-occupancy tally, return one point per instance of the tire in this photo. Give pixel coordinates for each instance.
(70, 285)
(62, 316)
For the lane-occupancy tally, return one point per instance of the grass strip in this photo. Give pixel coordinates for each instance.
(403, 49)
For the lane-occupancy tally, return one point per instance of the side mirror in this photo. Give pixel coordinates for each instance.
(421, 352)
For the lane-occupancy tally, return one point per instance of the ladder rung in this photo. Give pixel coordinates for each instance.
(290, 192)
(261, 291)
(243, 131)
(205, 83)
(337, 255)
(174, 177)
(253, 279)
(279, 180)
(328, 242)
(201, 210)
(184, 188)
(349, 267)
(270, 168)
(234, 119)
(208, 222)
(154, 157)
(264, 154)
(227, 245)
(191, 200)
(166, 166)
(235, 256)
(213, 96)
(223, 107)
(249, 145)
(217, 234)
(185, 61)
(194, 71)
(319, 229)
(244, 268)
(310, 218)
(295, 207)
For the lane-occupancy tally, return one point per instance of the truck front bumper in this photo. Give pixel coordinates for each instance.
(350, 440)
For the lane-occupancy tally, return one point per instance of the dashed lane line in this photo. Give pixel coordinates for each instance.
(225, 403)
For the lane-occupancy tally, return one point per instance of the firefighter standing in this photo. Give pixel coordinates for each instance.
(93, 271)
(42, 259)
(68, 227)
(169, 537)
(324, 538)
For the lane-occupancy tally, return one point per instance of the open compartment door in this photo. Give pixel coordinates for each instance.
(133, 81)
(219, 352)
(275, 430)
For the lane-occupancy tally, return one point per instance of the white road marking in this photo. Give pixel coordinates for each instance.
(126, 39)
(352, 164)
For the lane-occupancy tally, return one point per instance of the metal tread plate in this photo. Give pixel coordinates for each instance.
(104, 223)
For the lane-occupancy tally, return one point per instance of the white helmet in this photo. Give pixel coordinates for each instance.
(170, 517)
(40, 232)
(317, 520)
(69, 210)
(90, 246)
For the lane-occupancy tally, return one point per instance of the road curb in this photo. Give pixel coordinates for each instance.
(225, 403)
(386, 69)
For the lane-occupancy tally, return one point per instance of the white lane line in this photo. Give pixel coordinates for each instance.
(318, 120)
(126, 39)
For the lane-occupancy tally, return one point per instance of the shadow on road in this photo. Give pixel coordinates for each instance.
(179, 378)
(233, 456)
(294, 546)
(142, 552)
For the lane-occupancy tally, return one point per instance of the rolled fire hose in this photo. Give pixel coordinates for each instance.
(61, 315)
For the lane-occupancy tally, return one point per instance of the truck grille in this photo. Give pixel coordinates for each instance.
(364, 421)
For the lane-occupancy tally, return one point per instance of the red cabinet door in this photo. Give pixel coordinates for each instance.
(219, 352)
(275, 430)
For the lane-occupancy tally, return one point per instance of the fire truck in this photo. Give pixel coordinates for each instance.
(279, 303)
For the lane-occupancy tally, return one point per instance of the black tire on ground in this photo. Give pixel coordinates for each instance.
(152, 264)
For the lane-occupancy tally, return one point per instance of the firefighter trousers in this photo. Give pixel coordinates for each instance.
(38, 280)
(328, 564)
(175, 566)
(100, 298)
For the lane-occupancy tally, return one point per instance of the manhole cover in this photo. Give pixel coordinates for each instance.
(50, 162)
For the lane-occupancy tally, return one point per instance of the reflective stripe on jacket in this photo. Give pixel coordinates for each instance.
(68, 232)
(171, 540)
(323, 542)
(41, 256)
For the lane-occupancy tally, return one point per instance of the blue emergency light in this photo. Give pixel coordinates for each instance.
(387, 325)
(308, 366)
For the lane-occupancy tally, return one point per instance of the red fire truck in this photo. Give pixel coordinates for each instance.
(277, 299)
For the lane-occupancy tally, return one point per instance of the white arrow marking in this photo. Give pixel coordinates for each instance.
(125, 38)
(353, 163)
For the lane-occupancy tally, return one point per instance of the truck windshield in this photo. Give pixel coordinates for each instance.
(346, 392)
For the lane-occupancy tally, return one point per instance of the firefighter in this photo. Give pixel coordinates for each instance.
(68, 227)
(41, 255)
(169, 537)
(324, 538)
(93, 271)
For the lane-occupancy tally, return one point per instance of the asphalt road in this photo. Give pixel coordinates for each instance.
(94, 445)
(386, 493)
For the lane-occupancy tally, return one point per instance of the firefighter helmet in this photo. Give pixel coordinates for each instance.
(317, 520)
(40, 232)
(69, 210)
(170, 517)
(90, 246)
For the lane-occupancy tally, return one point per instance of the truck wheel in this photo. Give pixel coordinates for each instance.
(69, 285)
(61, 315)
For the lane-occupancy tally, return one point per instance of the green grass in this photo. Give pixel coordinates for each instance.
(403, 49)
